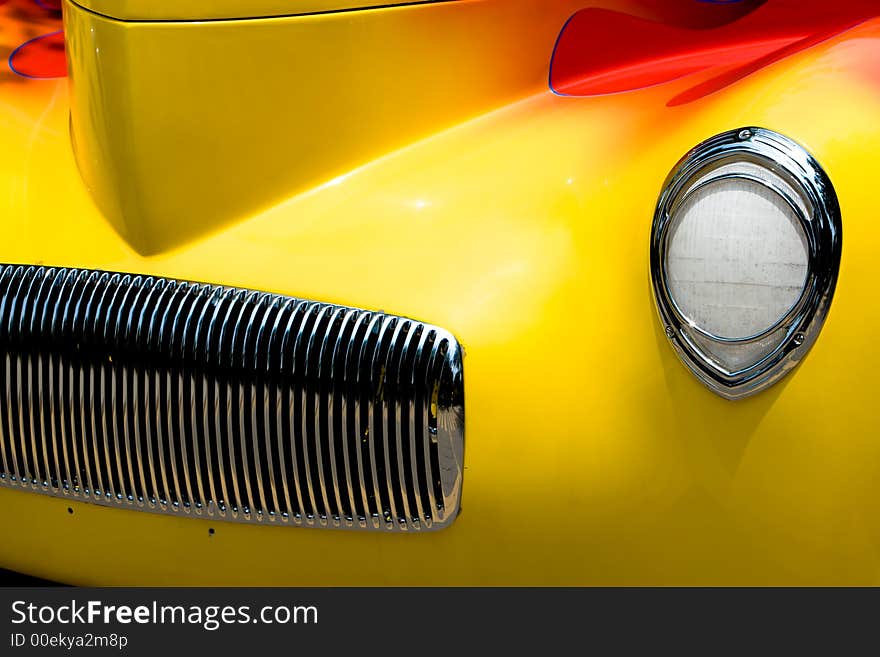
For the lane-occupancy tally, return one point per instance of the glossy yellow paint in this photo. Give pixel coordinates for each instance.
(146, 10)
(592, 455)
(254, 110)
(190, 10)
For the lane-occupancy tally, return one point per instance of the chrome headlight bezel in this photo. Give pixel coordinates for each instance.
(807, 191)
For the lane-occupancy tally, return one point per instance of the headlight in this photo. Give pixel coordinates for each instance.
(745, 251)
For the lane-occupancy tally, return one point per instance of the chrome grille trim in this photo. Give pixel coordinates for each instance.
(205, 401)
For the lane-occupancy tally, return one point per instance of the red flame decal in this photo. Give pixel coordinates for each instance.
(42, 56)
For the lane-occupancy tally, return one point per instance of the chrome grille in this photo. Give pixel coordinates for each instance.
(199, 400)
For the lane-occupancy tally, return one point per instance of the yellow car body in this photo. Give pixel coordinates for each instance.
(437, 176)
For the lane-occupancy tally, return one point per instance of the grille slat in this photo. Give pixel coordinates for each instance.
(39, 411)
(251, 338)
(191, 399)
(386, 392)
(261, 370)
(26, 417)
(414, 435)
(188, 423)
(328, 410)
(337, 426)
(4, 282)
(428, 402)
(8, 438)
(358, 422)
(225, 432)
(58, 476)
(323, 408)
(310, 417)
(289, 404)
(373, 435)
(112, 419)
(130, 407)
(211, 408)
(348, 429)
(401, 426)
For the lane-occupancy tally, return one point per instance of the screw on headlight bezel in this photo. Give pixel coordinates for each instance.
(808, 192)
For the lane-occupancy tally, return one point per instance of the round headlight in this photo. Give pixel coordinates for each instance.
(737, 257)
(745, 254)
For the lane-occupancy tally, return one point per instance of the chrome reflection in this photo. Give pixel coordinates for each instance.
(198, 400)
(738, 367)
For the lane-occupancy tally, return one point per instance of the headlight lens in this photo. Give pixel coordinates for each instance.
(737, 258)
(745, 255)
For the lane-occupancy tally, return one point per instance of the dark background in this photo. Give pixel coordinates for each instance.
(9, 578)
(511, 621)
